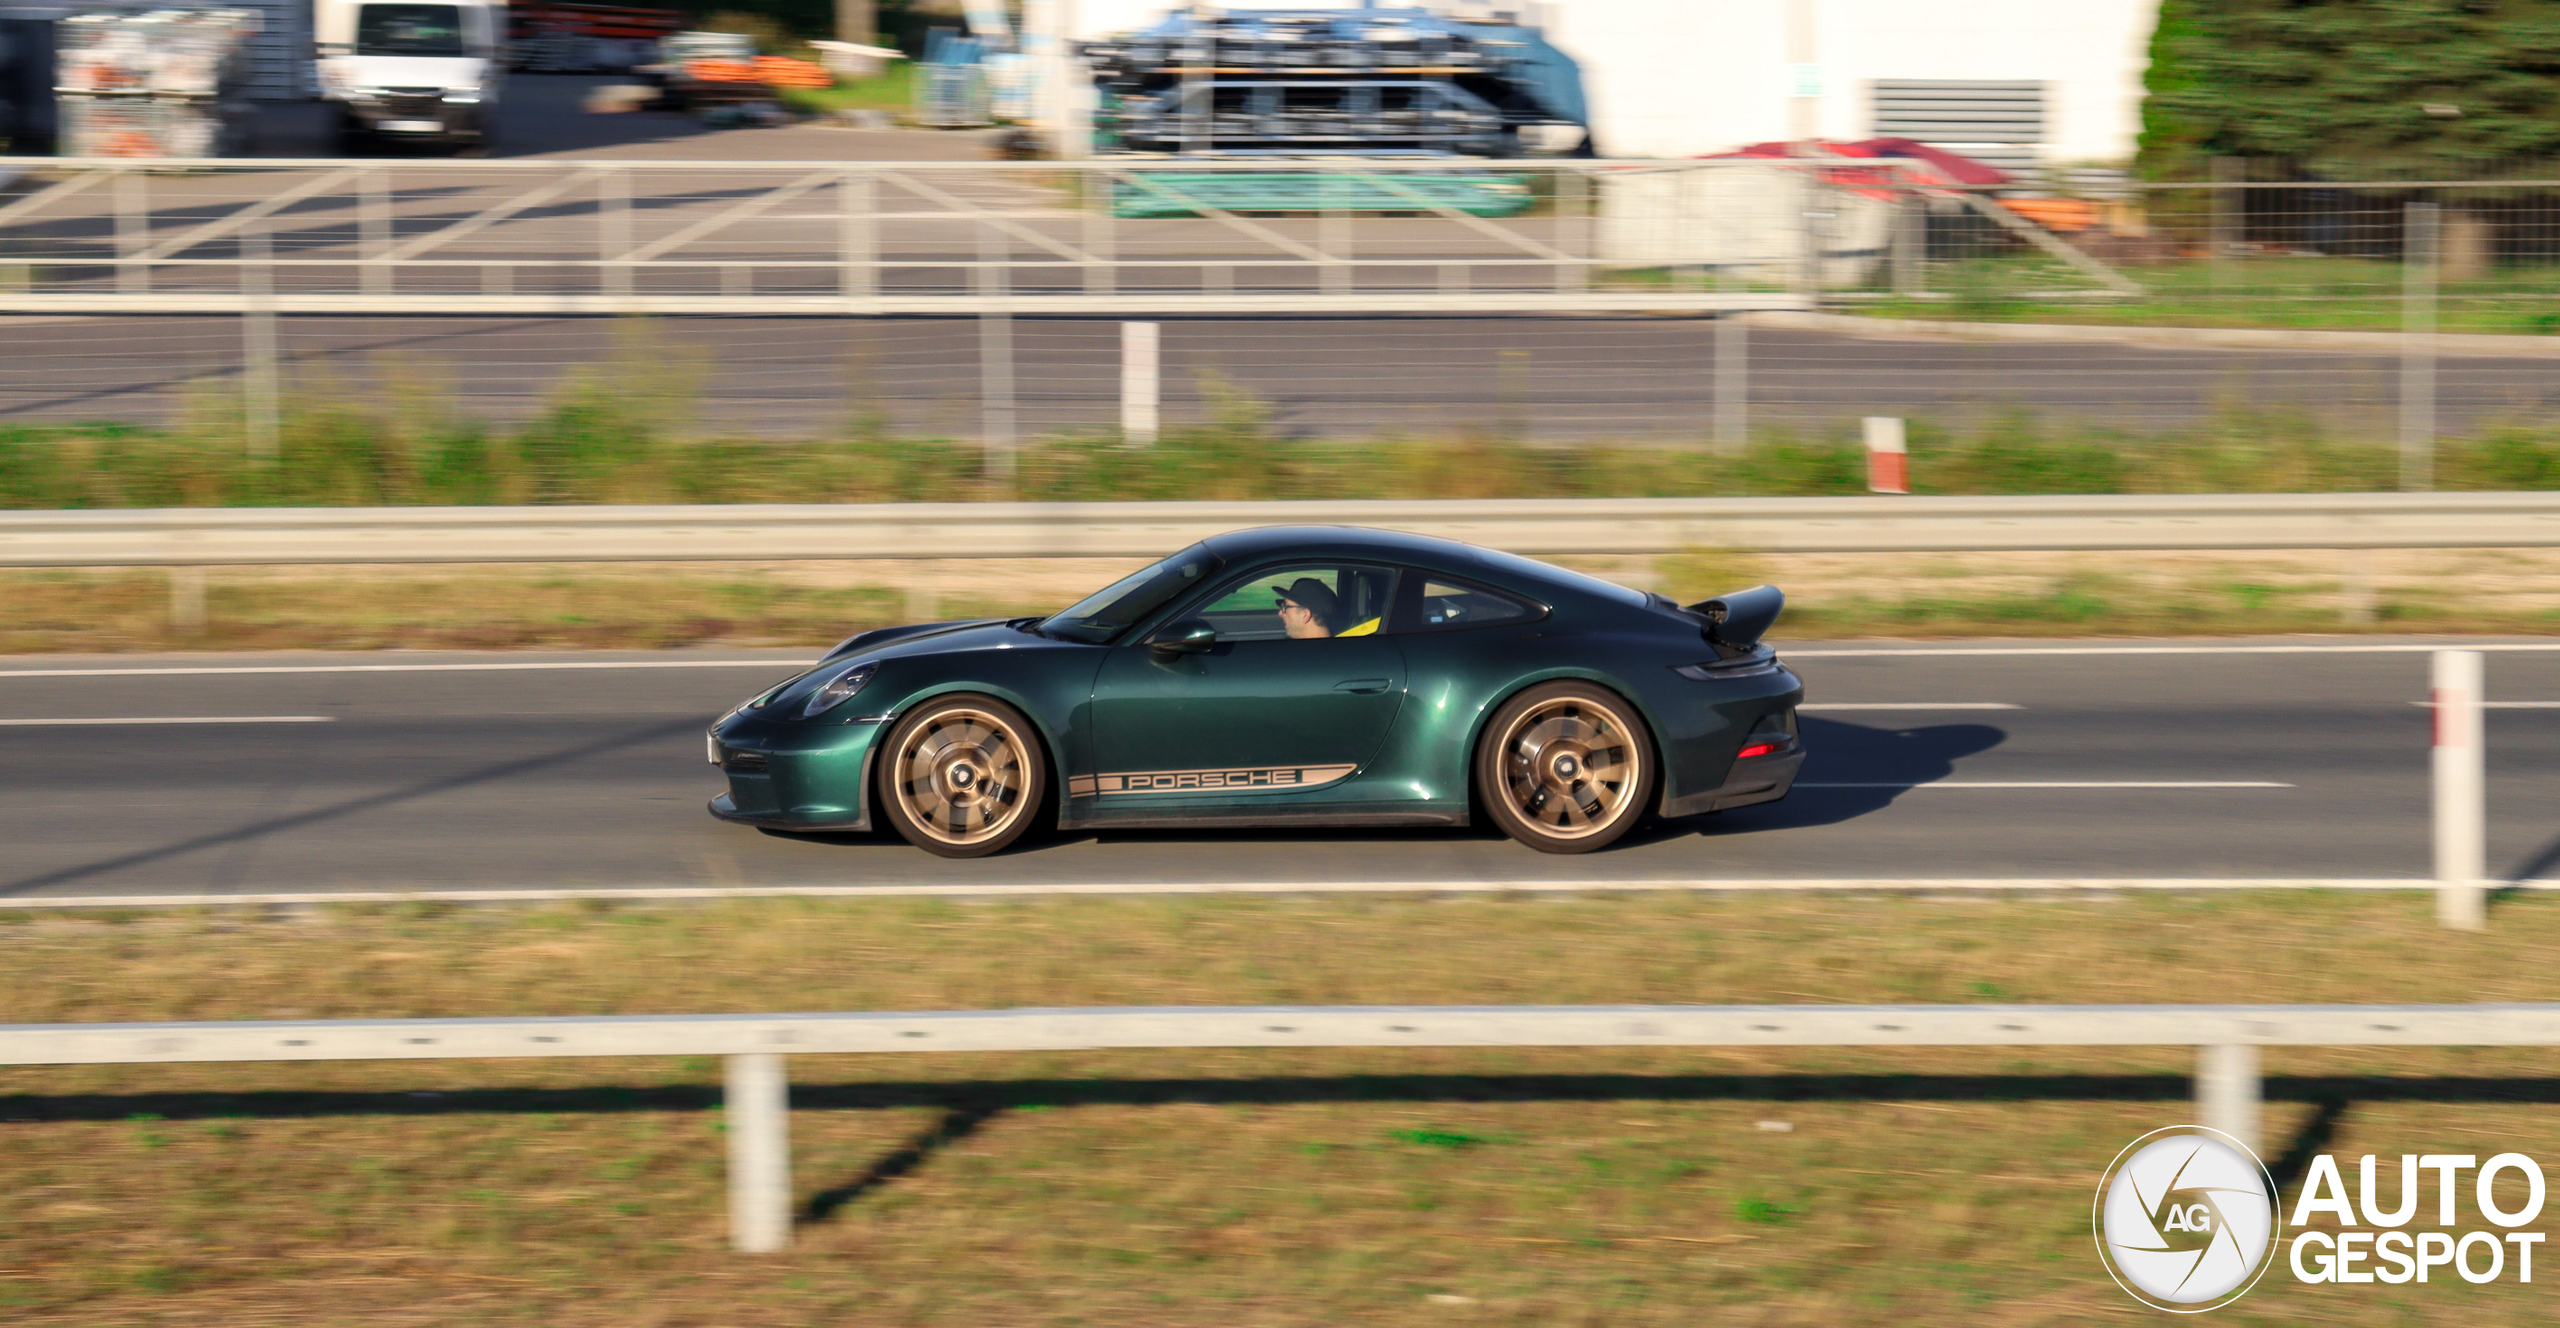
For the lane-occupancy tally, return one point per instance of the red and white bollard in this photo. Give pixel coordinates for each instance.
(1888, 465)
(2462, 855)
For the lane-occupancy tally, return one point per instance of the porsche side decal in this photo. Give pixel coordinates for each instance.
(1274, 779)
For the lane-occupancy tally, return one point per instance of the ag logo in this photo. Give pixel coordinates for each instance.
(2185, 1218)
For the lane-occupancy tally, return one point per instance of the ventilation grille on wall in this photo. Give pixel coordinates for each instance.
(1997, 122)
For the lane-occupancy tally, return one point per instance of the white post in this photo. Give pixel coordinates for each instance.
(1733, 381)
(2462, 863)
(1888, 465)
(1139, 382)
(2227, 1091)
(759, 1124)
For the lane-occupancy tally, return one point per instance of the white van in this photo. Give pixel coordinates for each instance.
(411, 71)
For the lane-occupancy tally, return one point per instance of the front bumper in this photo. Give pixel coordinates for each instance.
(787, 776)
(416, 117)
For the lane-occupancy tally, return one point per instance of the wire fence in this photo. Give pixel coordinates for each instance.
(1659, 304)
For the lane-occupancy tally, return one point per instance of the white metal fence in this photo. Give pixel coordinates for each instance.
(2227, 1039)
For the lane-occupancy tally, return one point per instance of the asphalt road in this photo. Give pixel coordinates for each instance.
(540, 777)
(1548, 378)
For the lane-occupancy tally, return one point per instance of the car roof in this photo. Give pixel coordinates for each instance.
(1429, 552)
(1355, 541)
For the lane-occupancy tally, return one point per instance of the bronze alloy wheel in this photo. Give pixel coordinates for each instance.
(1566, 767)
(962, 776)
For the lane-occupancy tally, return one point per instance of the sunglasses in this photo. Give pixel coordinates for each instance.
(1286, 605)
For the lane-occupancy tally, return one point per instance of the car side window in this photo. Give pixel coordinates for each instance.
(1302, 601)
(1444, 605)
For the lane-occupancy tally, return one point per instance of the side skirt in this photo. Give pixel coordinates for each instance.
(1068, 819)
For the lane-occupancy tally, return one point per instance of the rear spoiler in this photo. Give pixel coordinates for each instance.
(1736, 622)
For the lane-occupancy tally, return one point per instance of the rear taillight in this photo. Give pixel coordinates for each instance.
(1756, 749)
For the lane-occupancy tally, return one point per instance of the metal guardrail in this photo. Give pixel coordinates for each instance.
(2227, 1038)
(198, 537)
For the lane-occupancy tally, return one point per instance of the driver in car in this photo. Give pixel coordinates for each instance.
(1307, 609)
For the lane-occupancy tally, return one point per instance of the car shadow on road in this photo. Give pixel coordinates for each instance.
(1850, 770)
(1883, 762)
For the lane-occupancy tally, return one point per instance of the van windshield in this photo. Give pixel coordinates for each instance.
(409, 30)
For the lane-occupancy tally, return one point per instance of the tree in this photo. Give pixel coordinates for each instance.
(2368, 82)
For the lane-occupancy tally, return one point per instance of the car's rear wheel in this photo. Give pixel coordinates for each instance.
(1566, 767)
(963, 776)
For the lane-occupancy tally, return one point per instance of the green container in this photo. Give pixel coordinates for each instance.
(1179, 195)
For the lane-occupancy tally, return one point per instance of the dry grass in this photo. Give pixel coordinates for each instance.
(1246, 1187)
(815, 604)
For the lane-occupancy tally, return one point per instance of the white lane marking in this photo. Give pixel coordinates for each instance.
(1910, 705)
(2485, 705)
(515, 667)
(2069, 784)
(643, 894)
(2393, 649)
(186, 719)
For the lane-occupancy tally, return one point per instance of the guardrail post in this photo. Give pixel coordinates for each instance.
(758, 1115)
(1733, 380)
(2462, 865)
(258, 341)
(1139, 381)
(2418, 259)
(2227, 1090)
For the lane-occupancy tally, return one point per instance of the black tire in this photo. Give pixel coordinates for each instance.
(1566, 767)
(962, 776)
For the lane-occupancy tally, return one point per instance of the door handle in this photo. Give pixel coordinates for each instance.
(1362, 685)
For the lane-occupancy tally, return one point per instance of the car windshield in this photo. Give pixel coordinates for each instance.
(409, 30)
(1117, 607)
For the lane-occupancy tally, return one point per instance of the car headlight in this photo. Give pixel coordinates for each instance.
(462, 99)
(834, 691)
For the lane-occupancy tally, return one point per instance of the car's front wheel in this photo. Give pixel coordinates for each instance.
(1566, 767)
(962, 776)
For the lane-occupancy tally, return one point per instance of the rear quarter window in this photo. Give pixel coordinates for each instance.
(1534, 571)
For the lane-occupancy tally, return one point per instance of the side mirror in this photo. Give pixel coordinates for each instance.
(1188, 637)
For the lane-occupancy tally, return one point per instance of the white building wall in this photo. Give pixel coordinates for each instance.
(1679, 78)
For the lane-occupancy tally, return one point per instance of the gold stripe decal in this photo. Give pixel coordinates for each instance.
(1265, 780)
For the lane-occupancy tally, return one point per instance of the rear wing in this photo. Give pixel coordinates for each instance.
(1736, 622)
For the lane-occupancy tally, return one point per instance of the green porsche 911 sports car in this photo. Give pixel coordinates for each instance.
(1312, 675)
